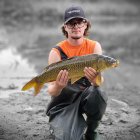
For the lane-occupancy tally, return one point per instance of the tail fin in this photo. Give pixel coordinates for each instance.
(33, 84)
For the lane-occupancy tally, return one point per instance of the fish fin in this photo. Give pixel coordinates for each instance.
(29, 85)
(73, 80)
(33, 84)
(38, 88)
(98, 80)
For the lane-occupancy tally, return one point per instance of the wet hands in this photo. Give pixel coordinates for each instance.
(91, 74)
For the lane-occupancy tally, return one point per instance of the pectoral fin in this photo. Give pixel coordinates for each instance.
(98, 80)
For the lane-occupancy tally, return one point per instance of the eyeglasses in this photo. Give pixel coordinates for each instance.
(79, 23)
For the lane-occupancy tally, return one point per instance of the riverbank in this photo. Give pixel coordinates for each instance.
(23, 115)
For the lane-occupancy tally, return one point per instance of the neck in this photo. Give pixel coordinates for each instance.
(75, 42)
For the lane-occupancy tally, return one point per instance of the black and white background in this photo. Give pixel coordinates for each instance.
(28, 31)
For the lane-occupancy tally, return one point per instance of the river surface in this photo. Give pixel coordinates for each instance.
(14, 72)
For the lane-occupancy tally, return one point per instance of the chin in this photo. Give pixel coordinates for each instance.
(76, 37)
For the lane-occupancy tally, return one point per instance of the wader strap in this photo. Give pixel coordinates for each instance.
(62, 54)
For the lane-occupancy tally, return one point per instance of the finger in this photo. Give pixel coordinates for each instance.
(90, 78)
(59, 75)
(90, 72)
(64, 76)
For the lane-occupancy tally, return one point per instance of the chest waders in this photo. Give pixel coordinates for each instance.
(66, 110)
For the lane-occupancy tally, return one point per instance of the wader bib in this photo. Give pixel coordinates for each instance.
(66, 110)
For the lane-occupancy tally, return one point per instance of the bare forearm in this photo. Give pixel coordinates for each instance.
(53, 90)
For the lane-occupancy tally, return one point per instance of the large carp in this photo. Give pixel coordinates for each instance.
(75, 67)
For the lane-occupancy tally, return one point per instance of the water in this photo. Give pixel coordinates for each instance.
(14, 72)
(13, 65)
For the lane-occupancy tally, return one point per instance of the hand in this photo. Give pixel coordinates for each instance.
(90, 74)
(62, 79)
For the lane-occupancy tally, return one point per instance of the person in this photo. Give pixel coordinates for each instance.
(75, 110)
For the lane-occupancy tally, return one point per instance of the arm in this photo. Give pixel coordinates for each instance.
(98, 48)
(90, 73)
(55, 88)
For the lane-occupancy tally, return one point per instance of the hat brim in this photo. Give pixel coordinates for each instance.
(73, 18)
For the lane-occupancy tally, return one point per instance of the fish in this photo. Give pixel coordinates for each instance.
(75, 67)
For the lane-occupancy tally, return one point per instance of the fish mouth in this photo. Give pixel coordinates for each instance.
(115, 64)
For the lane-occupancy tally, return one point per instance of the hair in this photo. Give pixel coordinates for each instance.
(86, 33)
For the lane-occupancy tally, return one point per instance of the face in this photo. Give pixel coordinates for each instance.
(76, 28)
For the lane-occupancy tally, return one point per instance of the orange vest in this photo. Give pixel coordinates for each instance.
(87, 47)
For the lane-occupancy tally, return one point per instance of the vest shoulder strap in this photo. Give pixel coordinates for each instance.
(62, 54)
